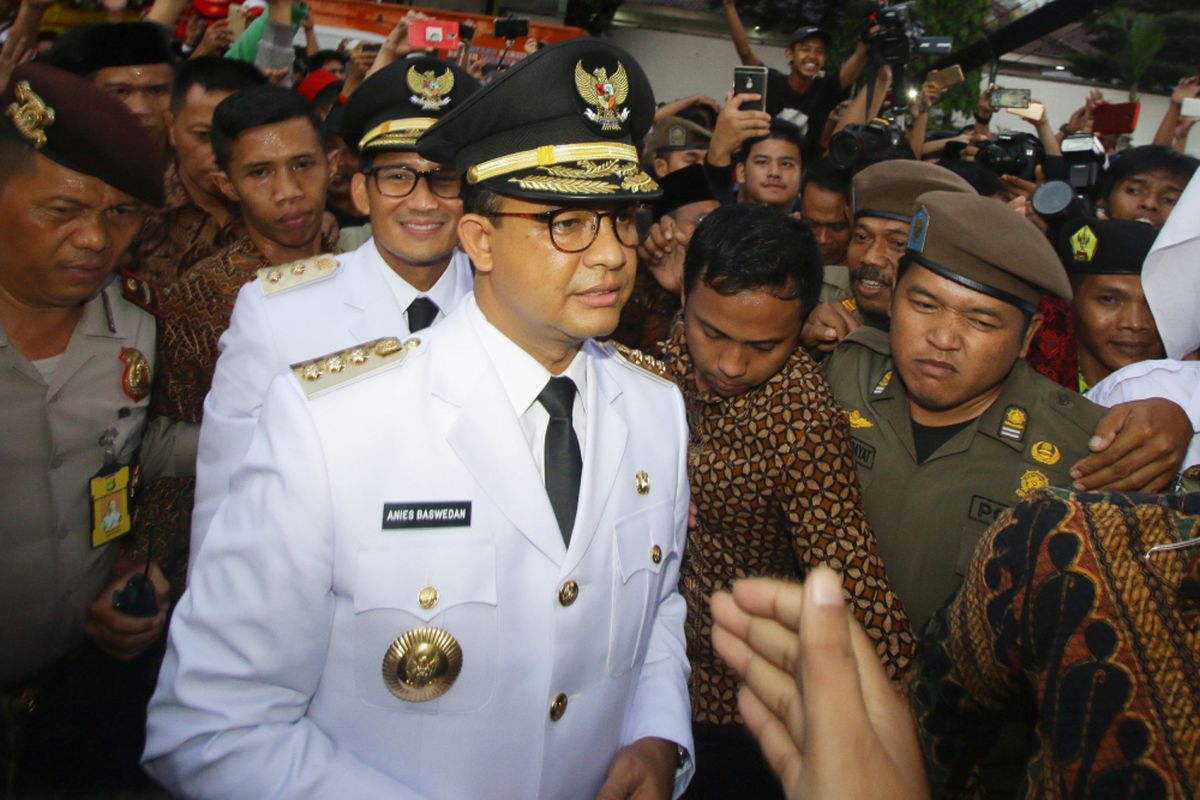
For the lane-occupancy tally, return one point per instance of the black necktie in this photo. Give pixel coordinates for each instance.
(564, 463)
(421, 313)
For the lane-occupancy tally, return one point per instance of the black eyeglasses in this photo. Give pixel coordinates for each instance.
(399, 181)
(572, 230)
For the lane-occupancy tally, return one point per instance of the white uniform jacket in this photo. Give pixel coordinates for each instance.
(270, 331)
(272, 685)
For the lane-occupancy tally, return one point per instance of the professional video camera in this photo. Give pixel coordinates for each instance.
(856, 145)
(1012, 154)
(1084, 159)
(898, 39)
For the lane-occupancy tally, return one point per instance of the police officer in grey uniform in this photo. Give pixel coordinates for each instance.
(408, 276)
(75, 169)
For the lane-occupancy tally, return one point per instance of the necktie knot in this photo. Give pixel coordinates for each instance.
(558, 398)
(421, 313)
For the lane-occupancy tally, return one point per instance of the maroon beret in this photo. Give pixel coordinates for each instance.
(71, 122)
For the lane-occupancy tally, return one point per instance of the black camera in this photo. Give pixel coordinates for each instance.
(898, 38)
(1083, 159)
(1012, 154)
(856, 146)
(511, 27)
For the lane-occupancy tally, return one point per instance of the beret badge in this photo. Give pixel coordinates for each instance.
(30, 115)
(605, 94)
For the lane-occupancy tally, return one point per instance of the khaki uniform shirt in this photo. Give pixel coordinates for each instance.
(49, 573)
(928, 517)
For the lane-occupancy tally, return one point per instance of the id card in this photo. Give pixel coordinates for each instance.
(109, 494)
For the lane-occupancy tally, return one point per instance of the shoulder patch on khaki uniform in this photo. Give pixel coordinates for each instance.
(306, 270)
(640, 361)
(320, 375)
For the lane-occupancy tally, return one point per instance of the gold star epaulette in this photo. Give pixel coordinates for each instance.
(297, 273)
(645, 363)
(320, 375)
(140, 292)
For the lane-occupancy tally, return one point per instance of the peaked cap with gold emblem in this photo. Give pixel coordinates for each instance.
(396, 105)
(984, 245)
(560, 125)
(71, 122)
(1090, 246)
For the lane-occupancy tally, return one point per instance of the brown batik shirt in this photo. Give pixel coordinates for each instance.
(177, 236)
(773, 478)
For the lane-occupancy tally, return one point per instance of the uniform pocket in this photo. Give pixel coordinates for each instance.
(645, 544)
(437, 581)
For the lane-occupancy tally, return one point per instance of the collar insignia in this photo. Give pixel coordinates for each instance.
(883, 383)
(605, 94)
(1013, 426)
(920, 227)
(430, 92)
(30, 115)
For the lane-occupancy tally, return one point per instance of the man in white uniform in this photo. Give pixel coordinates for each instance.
(405, 278)
(447, 567)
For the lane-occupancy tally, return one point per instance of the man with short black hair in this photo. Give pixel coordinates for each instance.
(825, 208)
(331, 61)
(676, 143)
(198, 219)
(474, 534)
(768, 168)
(1145, 183)
(769, 462)
(271, 159)
(409, 275)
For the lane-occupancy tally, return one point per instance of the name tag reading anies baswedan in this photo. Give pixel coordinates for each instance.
(453, 514)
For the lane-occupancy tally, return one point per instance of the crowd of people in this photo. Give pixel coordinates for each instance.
(385, 423)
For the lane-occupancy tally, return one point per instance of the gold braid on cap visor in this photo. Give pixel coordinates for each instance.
(397, 131)
(548, 155)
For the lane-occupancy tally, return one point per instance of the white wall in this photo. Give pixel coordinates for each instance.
(681, 64)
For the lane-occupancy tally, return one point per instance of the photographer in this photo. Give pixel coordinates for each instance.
(807, 94)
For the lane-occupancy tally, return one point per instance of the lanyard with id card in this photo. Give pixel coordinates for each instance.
(109, 491)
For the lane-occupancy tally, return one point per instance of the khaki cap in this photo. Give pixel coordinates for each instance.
(676, 133)
(890, 189)
(982, 244)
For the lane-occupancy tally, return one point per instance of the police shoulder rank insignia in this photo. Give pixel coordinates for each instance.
(320, 375)
(1031, 481)
(136, 377)
(857, 420)
(1045, 452)
(643, 362)
(30, 115)
(140, 292)
(1083, 244)
(604, 94)
(883, 383)
(850, 304)
(288, 276)
(430, 90)
(1013, 425)
(919, 230)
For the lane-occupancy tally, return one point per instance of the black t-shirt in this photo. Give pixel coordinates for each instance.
(927, 439)
(807, 111)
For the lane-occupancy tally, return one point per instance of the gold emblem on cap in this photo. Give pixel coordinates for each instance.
(428, 597)
(30, 115)
(605, 93)
(431, 91)
(641, 482)
(1045, 452)
(1083, 244)
(1031, 481)
(422, 664)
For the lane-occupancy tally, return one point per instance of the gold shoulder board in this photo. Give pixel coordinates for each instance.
(320, 375)
(297, 273)
(645, 363)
